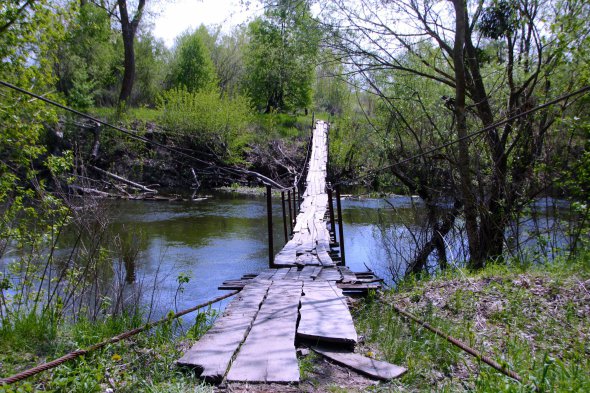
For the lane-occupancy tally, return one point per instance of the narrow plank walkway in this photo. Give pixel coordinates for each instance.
(301, 299)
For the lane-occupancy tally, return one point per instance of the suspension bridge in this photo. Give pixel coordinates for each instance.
(299, 299)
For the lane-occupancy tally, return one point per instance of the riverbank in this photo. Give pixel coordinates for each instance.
(534, 320)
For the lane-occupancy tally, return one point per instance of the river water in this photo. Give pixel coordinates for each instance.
(225, 237)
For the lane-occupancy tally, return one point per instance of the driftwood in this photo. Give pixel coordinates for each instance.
(123, 180)
(91, 191)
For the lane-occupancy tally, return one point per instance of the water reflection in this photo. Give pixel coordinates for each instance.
(225, 237)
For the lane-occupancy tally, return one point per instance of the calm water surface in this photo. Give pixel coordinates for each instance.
(225, 236)
(222, 238)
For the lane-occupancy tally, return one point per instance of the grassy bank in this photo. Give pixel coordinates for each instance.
(535, 320)
(144, 363)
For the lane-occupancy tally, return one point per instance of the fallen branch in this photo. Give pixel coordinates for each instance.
(460, 344)
(123, 180)
(91, 191)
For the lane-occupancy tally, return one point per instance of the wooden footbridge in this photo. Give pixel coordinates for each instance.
(299, 299)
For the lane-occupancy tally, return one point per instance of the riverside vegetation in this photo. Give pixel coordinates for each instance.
(476, 108)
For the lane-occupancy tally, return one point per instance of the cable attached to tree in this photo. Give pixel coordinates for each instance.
(469, 136)
(133, 135)
(72, 355)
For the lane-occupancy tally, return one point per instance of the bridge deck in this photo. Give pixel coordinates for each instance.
(300, 300)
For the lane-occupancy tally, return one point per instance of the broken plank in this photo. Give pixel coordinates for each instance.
(324, 315)
(371, 367)
(347, 275)
(268, 354)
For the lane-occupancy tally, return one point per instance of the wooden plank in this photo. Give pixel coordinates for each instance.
(347, 275)
(364, 286)
(324, 315)
(371, 367)
(330, 274)
(268, 354)
(316, 271)
(212, 354)
(265, 275)
(292, 274)
(280, 274)
(306, 273)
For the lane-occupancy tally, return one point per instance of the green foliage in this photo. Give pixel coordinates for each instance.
(331, 93)
(498, 19)
(146, 363)
(192, 68)
(86, 60)
(281, 56)
(219, 123)
(151, 69)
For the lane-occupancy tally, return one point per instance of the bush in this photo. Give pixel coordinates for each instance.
(218, 123)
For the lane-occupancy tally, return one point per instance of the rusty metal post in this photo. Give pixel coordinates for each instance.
(340, 229)
(269, 222)
(290, 214)
(284, 216)
(331, 211)
(294, 205)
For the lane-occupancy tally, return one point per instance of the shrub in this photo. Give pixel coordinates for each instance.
(220, 124)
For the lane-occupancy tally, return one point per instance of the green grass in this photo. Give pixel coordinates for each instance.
(144, 363)
(535, 321)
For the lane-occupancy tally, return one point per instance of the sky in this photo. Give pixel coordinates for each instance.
(177, 16)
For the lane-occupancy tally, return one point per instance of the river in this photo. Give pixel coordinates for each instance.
(225, 236)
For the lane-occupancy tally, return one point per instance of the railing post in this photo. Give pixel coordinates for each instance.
(294, 204)
(290, 214)
(340, 229)
(284, 216)
(331, 211)
(269, 222)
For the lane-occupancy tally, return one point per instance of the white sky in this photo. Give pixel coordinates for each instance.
(175, 17)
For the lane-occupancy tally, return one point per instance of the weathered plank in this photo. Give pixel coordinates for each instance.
(212, 354)
(347, 275)
(306, 272)
(268, 354)
(330, 274)
(371, 367)
(363, 286)
(324, 315)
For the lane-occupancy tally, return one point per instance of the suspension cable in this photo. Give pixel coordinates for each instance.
(123, 336)
(468, 136)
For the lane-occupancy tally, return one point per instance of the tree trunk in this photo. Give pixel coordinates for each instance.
(469, 200)
(128, 68)
(128, 30)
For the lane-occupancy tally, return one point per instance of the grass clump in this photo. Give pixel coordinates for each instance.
(143, 363)
(534, 321)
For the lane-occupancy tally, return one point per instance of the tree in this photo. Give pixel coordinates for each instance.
(227, 54)
(281, 56)
(84, 62)
(128, 31)
(495, 59)
(192, 68)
